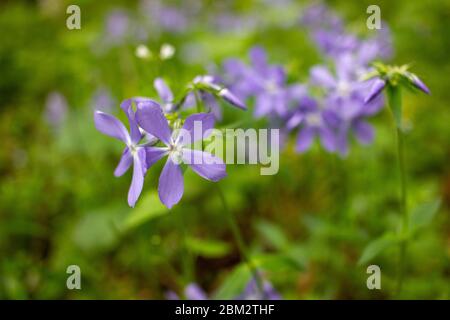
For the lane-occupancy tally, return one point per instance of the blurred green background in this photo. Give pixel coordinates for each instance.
(307, 226)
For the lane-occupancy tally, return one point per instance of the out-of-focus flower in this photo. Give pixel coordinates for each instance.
(191, 292)
(102, 100)
(252, 292)
(134, 153)
(167, 51)
(143, 52)
(117, 25)
(265, 82)
(170, 189)
(312, 121)
(207, 88)
(164, 17)
(165, 95)
(56, 109)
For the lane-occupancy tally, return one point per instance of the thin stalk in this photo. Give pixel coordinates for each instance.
(403, 208)
(187, 260)
(395, 104)
(240, 242)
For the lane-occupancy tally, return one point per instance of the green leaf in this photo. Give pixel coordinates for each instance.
(149, 207)
(423, 214)
(95, 231)
(234, 284)
(375, 247)
(276, 262)
(208, 248)
(273, 234)
(395, 103)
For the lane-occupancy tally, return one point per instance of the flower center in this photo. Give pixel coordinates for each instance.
(314, 119)
(176, 153)
(271, 87)
(343, 88)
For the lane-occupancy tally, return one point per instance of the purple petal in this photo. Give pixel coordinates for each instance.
(125, 162)
(327, 138)
(321, 76)
(295, 120)
(364, 132)
(135, 133)
(151, 118)
(205, 164)
(163, 90)
(195, 127)
(377, 87)
(419, 84)
(232, 99)
(153, 154)
(194, 292)
(111, 126)
(304, 139)
(137, 181)
(171, 185)
(259, 59)
(263, 105)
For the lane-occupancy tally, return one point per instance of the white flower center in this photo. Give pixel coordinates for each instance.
(343, 88)
(176, 153)
(314, 119)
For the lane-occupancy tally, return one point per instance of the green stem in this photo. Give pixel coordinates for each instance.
(395, 103)
(198, 101)
(403, 208)
(240, 242)
(187, 260)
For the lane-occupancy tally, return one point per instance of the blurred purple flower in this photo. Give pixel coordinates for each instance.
(56, 109)
(165, 95)
(191, 292)
(102, 100)
(265, 82)
(312, 121)
(117, 25)
(252, 292)
(170, 189)
(134, 153)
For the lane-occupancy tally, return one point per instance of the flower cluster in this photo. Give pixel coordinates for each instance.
(331, 106)
(152, 136)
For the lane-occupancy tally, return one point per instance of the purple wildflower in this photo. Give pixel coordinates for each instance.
(252, 292)
(312, 121)
(165, 95)
(208, 88)
(267, 83)
(56, 109)
(134, 153)
(102, 100)
(191, 292)
(170, 189)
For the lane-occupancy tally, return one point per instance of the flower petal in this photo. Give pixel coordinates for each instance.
(327, 139)
(363, 132)
(125, 162)
(304, 139)
(151, 118)
(111, 126)
(137, 181)
(153, 154)
(377, 86)
(205, 164)
(171, 185)
(135, 133)
(163, 90)
(321, 76)
(195, 127)
(229, 97)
